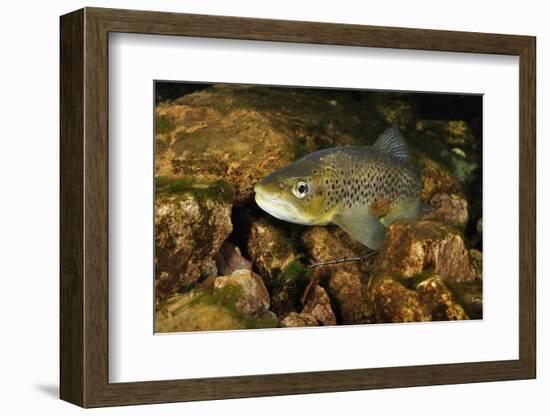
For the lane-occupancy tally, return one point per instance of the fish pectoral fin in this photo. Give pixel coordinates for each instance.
(403, 211)
(363, 226)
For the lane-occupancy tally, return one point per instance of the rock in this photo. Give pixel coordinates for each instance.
(229, 259)
(271, 251)
(436, 179)
(241, 133)
(182, 312)
(476, 259)
(349, 295)
(252, 297)
(286, 298)
(454, 132)
(396, 113)
(393, 302)
(470, 296)
(412, 247)
(294, 320)
(330, 243)
(317, 304)
(238, 301)
(451, 143)
(434, 293)
(452, 209)
(344, 281)
(190, 227)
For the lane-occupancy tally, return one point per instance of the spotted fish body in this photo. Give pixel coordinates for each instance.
(363, 189)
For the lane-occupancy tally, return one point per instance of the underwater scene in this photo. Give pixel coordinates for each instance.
(279, 207)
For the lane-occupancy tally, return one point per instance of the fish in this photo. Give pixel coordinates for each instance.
(361, 189)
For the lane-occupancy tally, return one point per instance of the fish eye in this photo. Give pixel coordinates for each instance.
(301, 189)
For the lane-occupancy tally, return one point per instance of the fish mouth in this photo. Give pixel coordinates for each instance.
(277, 207)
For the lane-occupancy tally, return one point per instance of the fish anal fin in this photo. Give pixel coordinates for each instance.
(363, 226)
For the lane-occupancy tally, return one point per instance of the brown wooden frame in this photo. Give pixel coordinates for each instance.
(84, 207)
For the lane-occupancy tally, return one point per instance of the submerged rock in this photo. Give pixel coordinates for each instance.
(182, 312)
(349, 294)
(393, 302)
(453, 132)
(286, 298)
(229, 259)
(238, 301)
(476, 259)
(470, 296)
(345, 282)
(439, 300)
(252, 297)
(317, 304)
(436, 179)
(242, 133)
(396, 113)
(294, 320)
(271, 251)
(412, 247)
(452, 209)
(190, 227)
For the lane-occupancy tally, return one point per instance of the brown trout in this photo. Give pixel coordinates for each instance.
(362, 189)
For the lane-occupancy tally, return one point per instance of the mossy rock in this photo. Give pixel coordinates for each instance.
(274, 253)
(210, 309)
(190, 227)
(182, 313)
(242, 133)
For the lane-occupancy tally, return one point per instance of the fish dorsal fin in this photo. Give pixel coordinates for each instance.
(362, 225)
(393, 143)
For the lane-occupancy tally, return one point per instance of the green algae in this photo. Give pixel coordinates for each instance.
(227, 297)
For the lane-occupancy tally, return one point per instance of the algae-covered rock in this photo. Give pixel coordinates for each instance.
(317, 304)
(252, 298)
(182, 312)
(434, 293)
(412, 247)
(271, 250)
(294, 320)
(393, 302)
(450, 208)
(242, 133)
(238, 301)
(191, 222)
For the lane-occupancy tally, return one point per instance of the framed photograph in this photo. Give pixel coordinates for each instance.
(257, 207)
